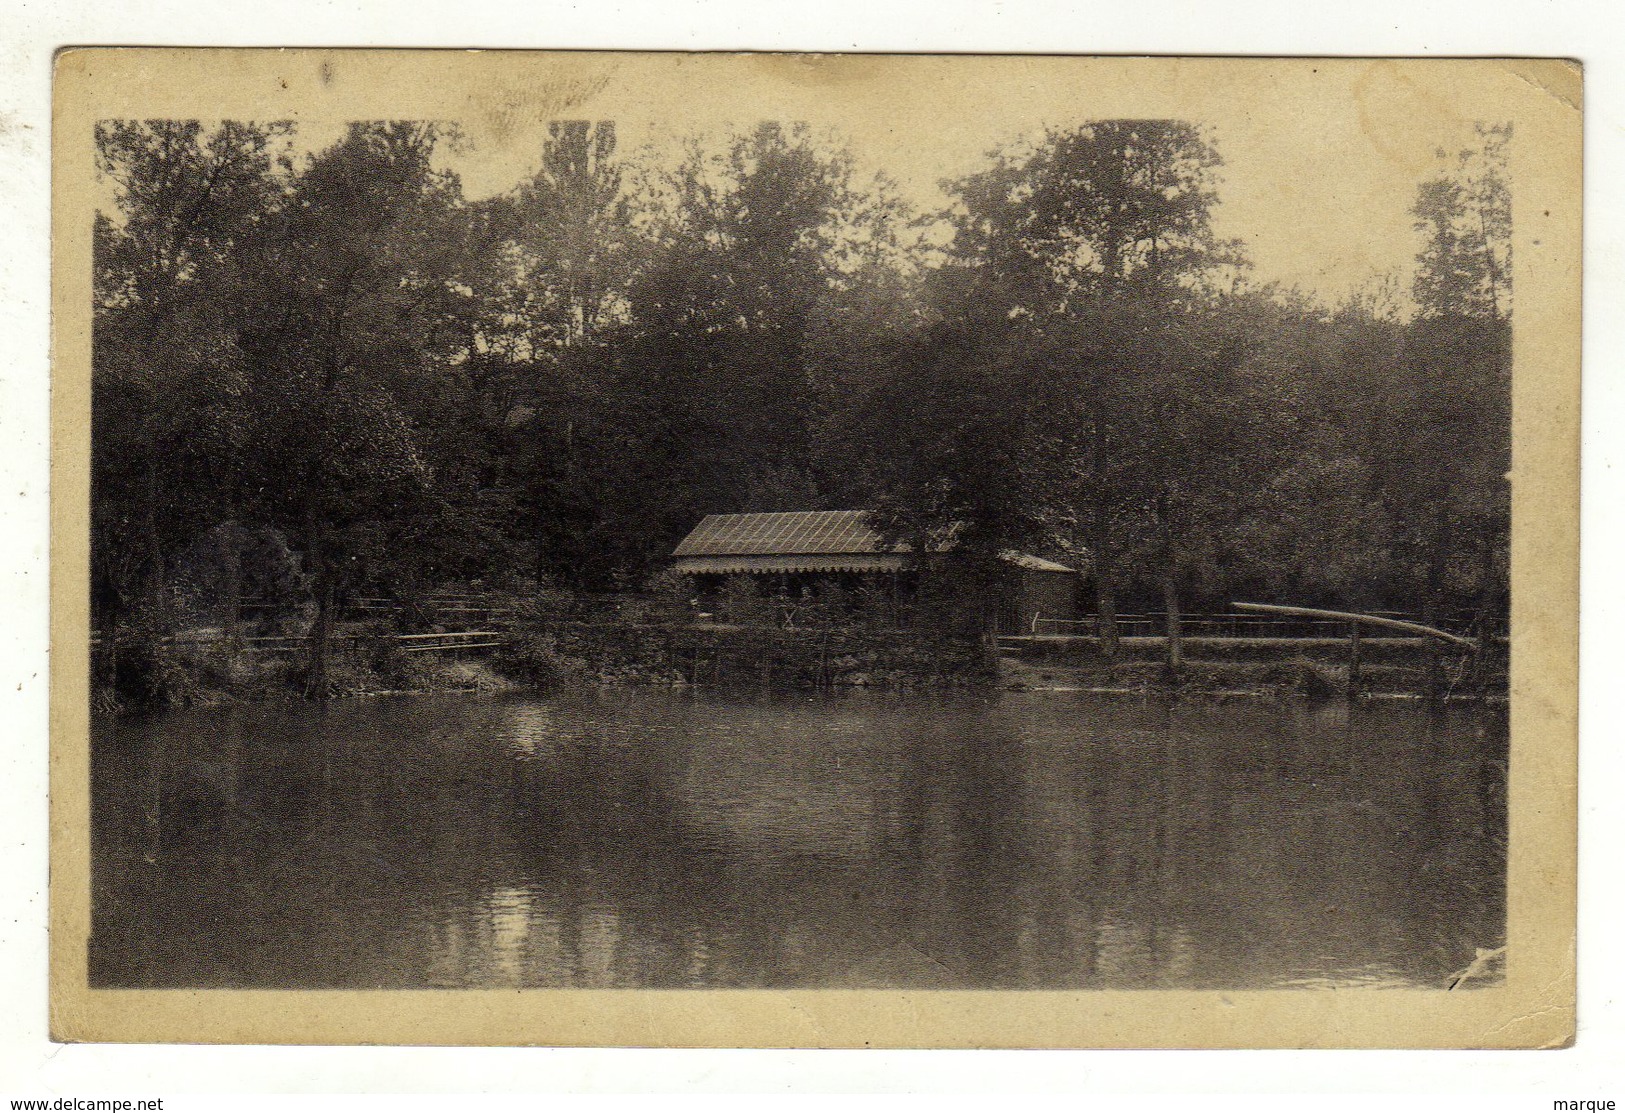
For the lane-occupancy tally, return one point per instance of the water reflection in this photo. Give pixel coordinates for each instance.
(674, 840)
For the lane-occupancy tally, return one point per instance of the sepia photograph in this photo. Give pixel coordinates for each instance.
(989, 536)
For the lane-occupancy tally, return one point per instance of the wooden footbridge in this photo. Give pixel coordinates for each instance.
(454, 641)
(448, 642)
(486, 620)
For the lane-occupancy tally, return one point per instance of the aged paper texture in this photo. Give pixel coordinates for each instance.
(1322, 163)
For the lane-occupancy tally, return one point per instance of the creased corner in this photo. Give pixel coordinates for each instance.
(1562, 79)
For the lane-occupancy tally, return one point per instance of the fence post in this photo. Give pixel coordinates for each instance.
(1354, 660)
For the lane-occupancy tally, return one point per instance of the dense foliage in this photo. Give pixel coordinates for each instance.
(333, 374)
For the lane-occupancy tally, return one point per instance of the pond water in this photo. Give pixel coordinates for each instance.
(647, 838)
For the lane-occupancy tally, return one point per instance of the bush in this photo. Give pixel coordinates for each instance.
(145, 676)
(534, 655)
(148, 674)
(670, 597)
(1320, 680)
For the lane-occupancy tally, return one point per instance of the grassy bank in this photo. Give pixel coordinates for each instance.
(1309, 667)
(548, 652)
(548, 655)
(149, 676)
(685, 654)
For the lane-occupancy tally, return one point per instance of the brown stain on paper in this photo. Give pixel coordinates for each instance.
(819, 70)
(1390, 101)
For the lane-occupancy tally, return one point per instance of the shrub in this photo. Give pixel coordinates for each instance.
(149, 674)
(1319, 679)
(670, 597)
(534, 655)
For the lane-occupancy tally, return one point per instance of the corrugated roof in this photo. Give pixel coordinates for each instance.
(791, 532)
(826, 562)
(1033, 563)
(792, 537)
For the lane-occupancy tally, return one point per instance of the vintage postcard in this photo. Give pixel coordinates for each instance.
(832, 551)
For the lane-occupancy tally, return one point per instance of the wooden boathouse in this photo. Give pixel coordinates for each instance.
(793, 552)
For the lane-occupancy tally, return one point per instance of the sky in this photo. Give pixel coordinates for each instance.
(1319, 175)
(1322, 157)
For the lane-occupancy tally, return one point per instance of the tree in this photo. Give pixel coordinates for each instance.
(737, 339)
(1456, 384)
(1098, 240)
(567, 236)
(1102, 211)
(551, 268)
(1312, 525)
(168, 421)
(1388, 489)
(355, 338)
(1464, 213)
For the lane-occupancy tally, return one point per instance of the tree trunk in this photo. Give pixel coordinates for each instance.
(157, 585)
(1105, 596)
(1438, 539)
(1435, 682)
(233, 586)
(1489, 656)
(1170, 603)
(321, 633)
(112, 618)
(1354, 661)
(1170, 585)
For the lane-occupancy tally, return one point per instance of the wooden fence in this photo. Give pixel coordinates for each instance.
(453, 641)
(1229, 625)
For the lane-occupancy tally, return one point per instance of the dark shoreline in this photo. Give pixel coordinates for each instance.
(570, 655)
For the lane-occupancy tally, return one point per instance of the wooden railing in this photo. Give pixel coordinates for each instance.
(1230, 625)
(440, 643)
(450, 641)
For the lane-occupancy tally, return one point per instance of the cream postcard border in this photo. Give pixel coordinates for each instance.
(1533, 1008)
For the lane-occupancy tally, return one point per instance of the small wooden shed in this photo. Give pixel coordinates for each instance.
(1038, 589)
(792, 546)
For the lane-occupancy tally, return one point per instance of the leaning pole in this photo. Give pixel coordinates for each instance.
(1367, 619)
